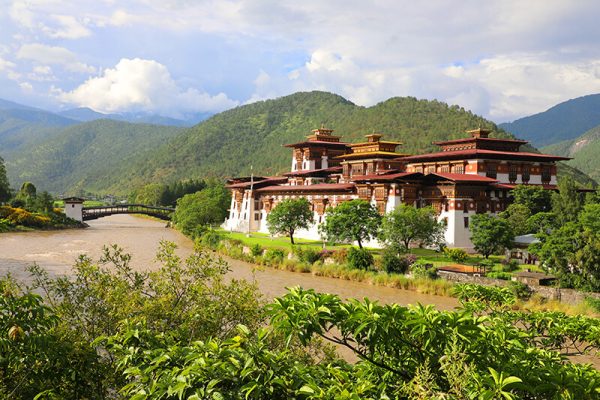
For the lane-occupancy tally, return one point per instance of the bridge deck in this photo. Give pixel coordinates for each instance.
(89, 213)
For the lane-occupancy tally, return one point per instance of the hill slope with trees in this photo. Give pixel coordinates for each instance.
(87, 156)
(103, 156)
(584, 150)
(564, 121)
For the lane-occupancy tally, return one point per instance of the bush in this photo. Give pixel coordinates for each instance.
(509, 265)
(308, 255)
(394, 263)
(275, 255)
(422, 269)
(256, 250)
(593, 302)
(521, 290)
(499, 275)
(210, 239)
(360, 258)
(456, 255)
(340, 256)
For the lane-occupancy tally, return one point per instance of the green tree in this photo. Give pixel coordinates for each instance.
(535, 198)
(573, 250)
(290, 215)
(354, 220)
(407, 224)
(490, 234)
(206, 207)
(542, 222)
(5, 192)
(568, 202)
(517, 216)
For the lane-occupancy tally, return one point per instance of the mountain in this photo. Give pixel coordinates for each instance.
(585, 151)
(107, 156)
(85, 114)
(88, 156)
(564, 121)
(252, 135)
(21, 125)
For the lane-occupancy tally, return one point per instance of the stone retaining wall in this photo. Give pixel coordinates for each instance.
(569, 296)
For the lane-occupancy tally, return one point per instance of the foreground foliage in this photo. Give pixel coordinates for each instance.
(183, 331)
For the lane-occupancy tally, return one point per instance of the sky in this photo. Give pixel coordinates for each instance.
(500, 59)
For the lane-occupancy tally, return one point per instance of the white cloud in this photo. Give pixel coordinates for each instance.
(68, 28)
(53, 55)
(142, 85)
(26, 86)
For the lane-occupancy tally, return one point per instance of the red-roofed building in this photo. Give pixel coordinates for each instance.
(468, 176)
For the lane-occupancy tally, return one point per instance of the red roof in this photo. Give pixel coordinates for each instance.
(317, 142)
(463, 177)
(323, 187)
(471, 139)
(472, 153)
(386, 177)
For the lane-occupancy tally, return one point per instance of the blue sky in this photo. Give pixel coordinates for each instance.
(501, 59)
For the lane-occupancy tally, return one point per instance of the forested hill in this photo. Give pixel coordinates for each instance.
(105, 157)
(230, 142)
(88, 156)
(584, 150)
(564, 121)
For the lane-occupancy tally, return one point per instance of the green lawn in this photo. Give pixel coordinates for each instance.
(279, 242)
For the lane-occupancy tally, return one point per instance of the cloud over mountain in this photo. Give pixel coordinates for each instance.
(142, 85)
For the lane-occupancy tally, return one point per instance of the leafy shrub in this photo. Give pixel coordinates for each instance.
(340, 256)
(274, 255)
(256, 250)
(456, 255)
(308, 255)
(521, 290)
(394, 263)
(593, 302)
(423, 270)
(211, 239)
(509, 265)
(487, 264)
(360, 258)
(499, 275)
(489, 295)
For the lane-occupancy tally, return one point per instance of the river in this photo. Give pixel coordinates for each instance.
(57, 251)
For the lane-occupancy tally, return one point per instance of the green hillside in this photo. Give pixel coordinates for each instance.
(86, 156)
(585, 151)
(564, 121)
(229, 143)
(109, 156)
(20, 127)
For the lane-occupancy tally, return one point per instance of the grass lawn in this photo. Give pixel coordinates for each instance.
(279, 242)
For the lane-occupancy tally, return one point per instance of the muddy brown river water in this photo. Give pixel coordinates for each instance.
(57, 250)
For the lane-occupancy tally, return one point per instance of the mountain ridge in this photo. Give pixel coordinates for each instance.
(564, 121)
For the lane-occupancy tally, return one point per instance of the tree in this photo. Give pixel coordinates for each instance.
(206, 207)
(517, 216)
(568, 202)
(407, 224)
(289, 216)
(4, 185)
(535, 198)
(354, 220)
(490, 234)
(542, 222)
